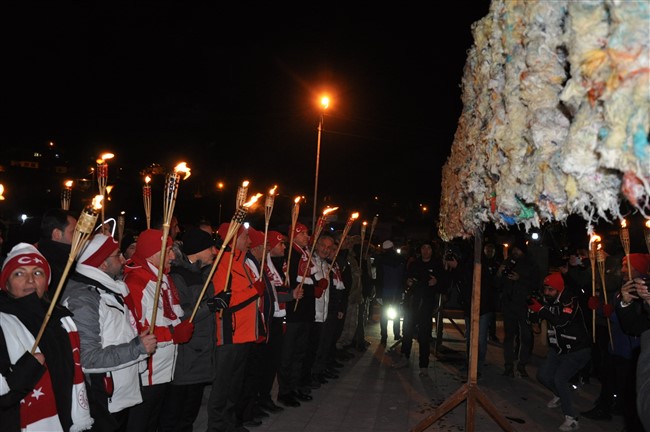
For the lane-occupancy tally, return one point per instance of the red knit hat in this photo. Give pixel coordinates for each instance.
(640, 262)
(300, 228)
(274, 238)
(98, 248)
(223, 230)
(23, 254)
(149, 242)
(257, 237)
(555, 280)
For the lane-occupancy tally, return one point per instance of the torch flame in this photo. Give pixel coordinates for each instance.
(365, 223)
(505, 245)
(105, 156)
(329, 210)
(147, 179)
(297, 200)
(647, 224)
(183, 168)
(245, 183)
(623, 223)
(97, 202)
(594, 238)
(354, 216)
(68, 183)
(272, 191)
(2, 191)
(253, 200)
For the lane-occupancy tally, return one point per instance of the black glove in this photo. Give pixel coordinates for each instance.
(220, 301)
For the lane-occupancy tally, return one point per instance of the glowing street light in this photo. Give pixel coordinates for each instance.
(220, 186)
(325, 102)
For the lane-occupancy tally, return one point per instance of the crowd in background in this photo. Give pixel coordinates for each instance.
(141, 328)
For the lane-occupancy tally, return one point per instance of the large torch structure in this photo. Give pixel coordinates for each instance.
(102, 176)
(625, 241)
(240, 199)
(346, 230)
(364, 227)
(322, 221)
(268, 210)
(169, 202)
(372, 231)
(593, 247)
(82, 232)
(235, 223)
(66, 194)
(600, 257)
(294, 220)
(121, 222)
(146, 200)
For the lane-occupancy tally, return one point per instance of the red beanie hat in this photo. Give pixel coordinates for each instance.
(274, 238)
(257, 237)
(149, 242)
(98, 248)
(23, 254)
(640, 262)
(223, 230)
(300, 228)
(555, 280)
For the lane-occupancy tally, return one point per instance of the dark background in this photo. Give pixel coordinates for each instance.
(233, 90)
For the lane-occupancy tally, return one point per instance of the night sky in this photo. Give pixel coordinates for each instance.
(233, 90)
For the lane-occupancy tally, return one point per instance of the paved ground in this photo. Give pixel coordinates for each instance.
(372, 396)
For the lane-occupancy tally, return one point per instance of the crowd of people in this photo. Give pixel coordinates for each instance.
(139, 329)
(129, 336)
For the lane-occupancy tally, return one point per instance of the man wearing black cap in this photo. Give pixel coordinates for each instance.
(516, 279)
(194, 362)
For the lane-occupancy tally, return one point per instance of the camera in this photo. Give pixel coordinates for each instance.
(450, 256)
(509, 265)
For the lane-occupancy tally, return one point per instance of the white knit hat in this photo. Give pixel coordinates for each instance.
(98, 248)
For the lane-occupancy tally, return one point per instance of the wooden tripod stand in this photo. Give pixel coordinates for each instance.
(470, 390)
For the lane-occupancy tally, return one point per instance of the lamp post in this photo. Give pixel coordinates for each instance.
(325, 101)
(220, 187)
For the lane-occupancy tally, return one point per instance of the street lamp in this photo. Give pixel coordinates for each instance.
(325, 101)
(220, 186)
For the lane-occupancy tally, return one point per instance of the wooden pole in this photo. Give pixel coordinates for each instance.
(470, 390)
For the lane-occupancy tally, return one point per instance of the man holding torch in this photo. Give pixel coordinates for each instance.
(140, 275)
(299, 319)
(111, 348)
(235, 303)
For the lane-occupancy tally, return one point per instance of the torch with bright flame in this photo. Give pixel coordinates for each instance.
(82, 232)
(121, 222)
(372, 231)
(625, 241)
(364, 226)
(146, 199)
(294, 220)
(242, 193)
(646, 234)
(346, 230)
(171, 191)
(268, 210)
(505, 251)
(235, 223)
(600, 257)
(593, 247)
(66, 195)
(102, 175)
(322, 220)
